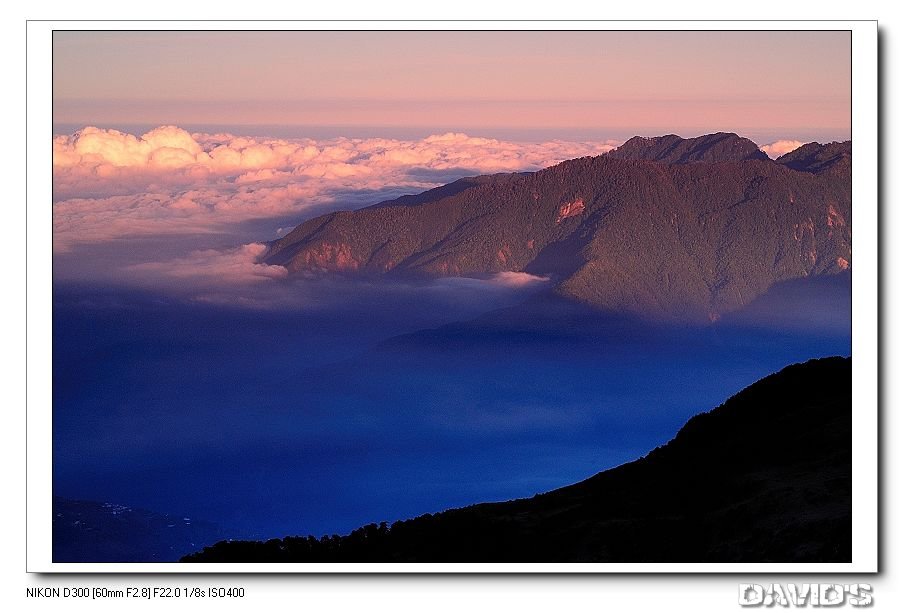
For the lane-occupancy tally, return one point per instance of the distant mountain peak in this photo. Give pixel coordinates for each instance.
(702, 231)
(672, 149)
(818, 158)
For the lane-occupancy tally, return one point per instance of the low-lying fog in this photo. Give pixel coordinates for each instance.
(322, 405)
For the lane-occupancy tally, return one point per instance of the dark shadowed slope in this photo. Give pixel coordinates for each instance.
(619, 232)
(765, 477)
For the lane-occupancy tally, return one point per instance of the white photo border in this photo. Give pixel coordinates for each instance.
(865, 306)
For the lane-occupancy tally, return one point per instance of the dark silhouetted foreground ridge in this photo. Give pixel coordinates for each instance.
(765, 477)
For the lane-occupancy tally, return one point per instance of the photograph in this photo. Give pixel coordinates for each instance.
(413, 297)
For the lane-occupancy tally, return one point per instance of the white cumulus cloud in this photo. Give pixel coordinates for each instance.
(109, 184)
(241, 265)
(780, 148)
(517, 279)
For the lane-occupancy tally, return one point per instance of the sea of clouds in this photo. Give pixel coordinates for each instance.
(111, 186)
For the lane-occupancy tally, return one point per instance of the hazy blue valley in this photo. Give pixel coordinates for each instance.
(401, 401)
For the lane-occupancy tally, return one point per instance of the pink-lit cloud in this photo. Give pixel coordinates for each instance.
(780, 148)
(517, 279)
(109, 184)
(238, 266)
(238, 277)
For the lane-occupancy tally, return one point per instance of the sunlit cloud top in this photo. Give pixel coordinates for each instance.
(109, 184)
(780, 148)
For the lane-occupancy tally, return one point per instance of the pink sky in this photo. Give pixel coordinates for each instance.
(172, 153)
(766, 85)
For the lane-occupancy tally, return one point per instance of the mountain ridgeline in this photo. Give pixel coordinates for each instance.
(663, 227)
(765, 477)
